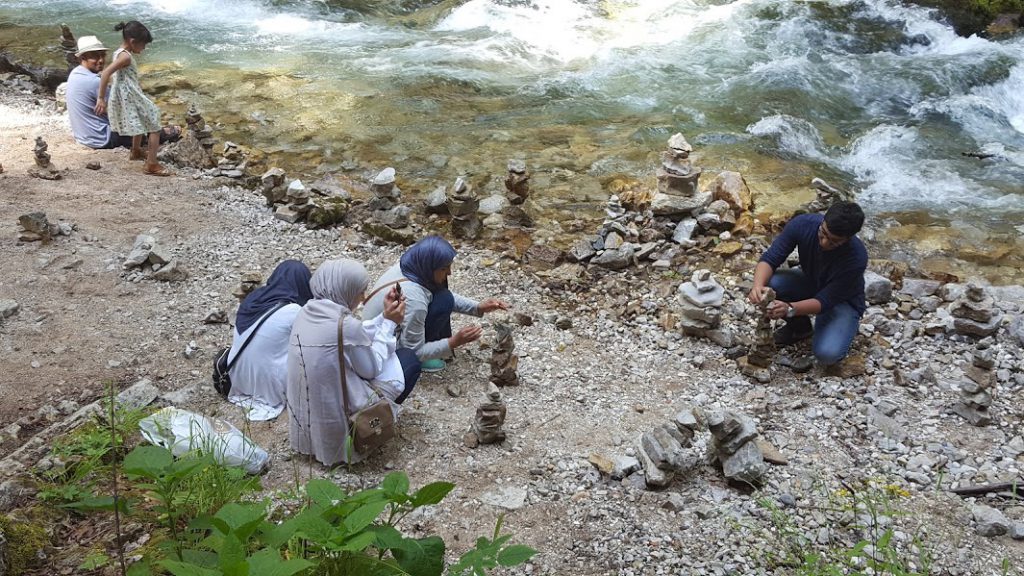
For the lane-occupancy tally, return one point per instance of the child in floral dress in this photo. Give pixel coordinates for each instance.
(131, 113)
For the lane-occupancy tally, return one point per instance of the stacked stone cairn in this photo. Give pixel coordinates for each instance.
(69, 46)
(677, 182)
(489, 420)
(758, 361)
(297, 204)
(195, 148)
(701, 307)
(198, 128)
(975, 313)
(668, 450)
(43, 168)
(389, 219)
(975, 398)
(249, 282)
(272, 186)
(616, 244)
(504, 361)
(149, 259)
(735, 447)
(232, 163)
(517, 187)
(462, 206)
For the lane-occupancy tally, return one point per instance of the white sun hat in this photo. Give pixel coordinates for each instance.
(89, 44)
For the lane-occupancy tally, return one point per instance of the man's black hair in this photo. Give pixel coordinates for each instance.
(844, 219)
(134, 30)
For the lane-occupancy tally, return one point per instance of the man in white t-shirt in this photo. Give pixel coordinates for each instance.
(89, 128)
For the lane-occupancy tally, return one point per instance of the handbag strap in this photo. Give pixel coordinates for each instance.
(341, 366)
(276, 307)
(383, 286)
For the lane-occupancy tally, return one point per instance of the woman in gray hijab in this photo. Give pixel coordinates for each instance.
(318, 415)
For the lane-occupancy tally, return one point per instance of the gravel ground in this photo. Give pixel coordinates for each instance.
(591, 387)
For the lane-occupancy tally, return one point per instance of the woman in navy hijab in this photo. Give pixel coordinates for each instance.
(426, 335)
(259, 376)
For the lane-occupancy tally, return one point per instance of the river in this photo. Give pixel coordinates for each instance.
(870, 94)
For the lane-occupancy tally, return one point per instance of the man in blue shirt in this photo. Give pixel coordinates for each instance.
(829, 284)
(89, 128)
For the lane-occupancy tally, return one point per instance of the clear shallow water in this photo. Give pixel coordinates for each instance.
(869, 93)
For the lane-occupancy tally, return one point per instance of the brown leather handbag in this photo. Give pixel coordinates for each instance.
(372, 426)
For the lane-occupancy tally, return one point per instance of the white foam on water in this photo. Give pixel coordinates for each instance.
(1007, 97)
(899, 175)
(566, 31)
(794, 135)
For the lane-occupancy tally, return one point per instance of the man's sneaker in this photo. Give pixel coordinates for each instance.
(789, 335)
(435, 365)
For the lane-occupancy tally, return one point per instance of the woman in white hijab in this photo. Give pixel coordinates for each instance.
(318, 415)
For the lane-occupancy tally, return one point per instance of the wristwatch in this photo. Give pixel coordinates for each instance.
(790, 311)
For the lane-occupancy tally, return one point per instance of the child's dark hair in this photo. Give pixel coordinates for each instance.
(844, 219)
(134, 30)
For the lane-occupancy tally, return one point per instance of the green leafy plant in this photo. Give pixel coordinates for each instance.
(491, 553)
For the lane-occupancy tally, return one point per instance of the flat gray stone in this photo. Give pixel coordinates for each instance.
(493, 204)
(877, 288)
(672, 205)
(684, 231)
(507, 497)
(614, 259)
(745, 465)
(990, 522)
(138, 395)
(886, 425)
(713, 297)
(8, 308)
(623, 466)
(653, 476)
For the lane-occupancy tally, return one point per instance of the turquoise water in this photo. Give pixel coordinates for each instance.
(868, 93)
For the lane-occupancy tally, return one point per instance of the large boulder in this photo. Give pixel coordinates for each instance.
(733, 189)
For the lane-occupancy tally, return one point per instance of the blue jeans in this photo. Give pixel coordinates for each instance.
(436, 325)
(833, 329)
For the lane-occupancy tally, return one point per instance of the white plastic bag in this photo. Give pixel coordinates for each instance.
(181, 432)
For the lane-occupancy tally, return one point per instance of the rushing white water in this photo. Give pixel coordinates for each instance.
(880, 92)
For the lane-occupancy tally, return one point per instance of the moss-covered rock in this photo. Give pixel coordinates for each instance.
(973, 16)
(327, 212)
(20, 544)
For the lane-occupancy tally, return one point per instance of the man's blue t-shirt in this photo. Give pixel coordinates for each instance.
(838, 275)
(89, 129)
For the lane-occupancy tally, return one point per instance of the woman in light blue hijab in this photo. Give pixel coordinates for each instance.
(426, 335)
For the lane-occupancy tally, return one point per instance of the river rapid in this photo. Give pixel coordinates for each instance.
(870, 94)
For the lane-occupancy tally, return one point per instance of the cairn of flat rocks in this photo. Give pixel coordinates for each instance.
(517, 190)
(273, 187)
(668, 450)
(148, 259)
(198, 128)
(504, 361)
(232, 164)
(489, 420)
(249, 282)
(43, 168)
(517, 182)
(462, 206)
(735, 447)
(69, 46)
(758, 361)
(35, 227)
(677, 182)
(389, 219)
(701, 308)
(195, 148)
(975, 313)
(297, 204)
(975, 398)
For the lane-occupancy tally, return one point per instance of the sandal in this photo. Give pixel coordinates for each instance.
(157, 170)
(140, 155)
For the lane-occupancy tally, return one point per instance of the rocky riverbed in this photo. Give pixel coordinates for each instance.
(845, 455)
